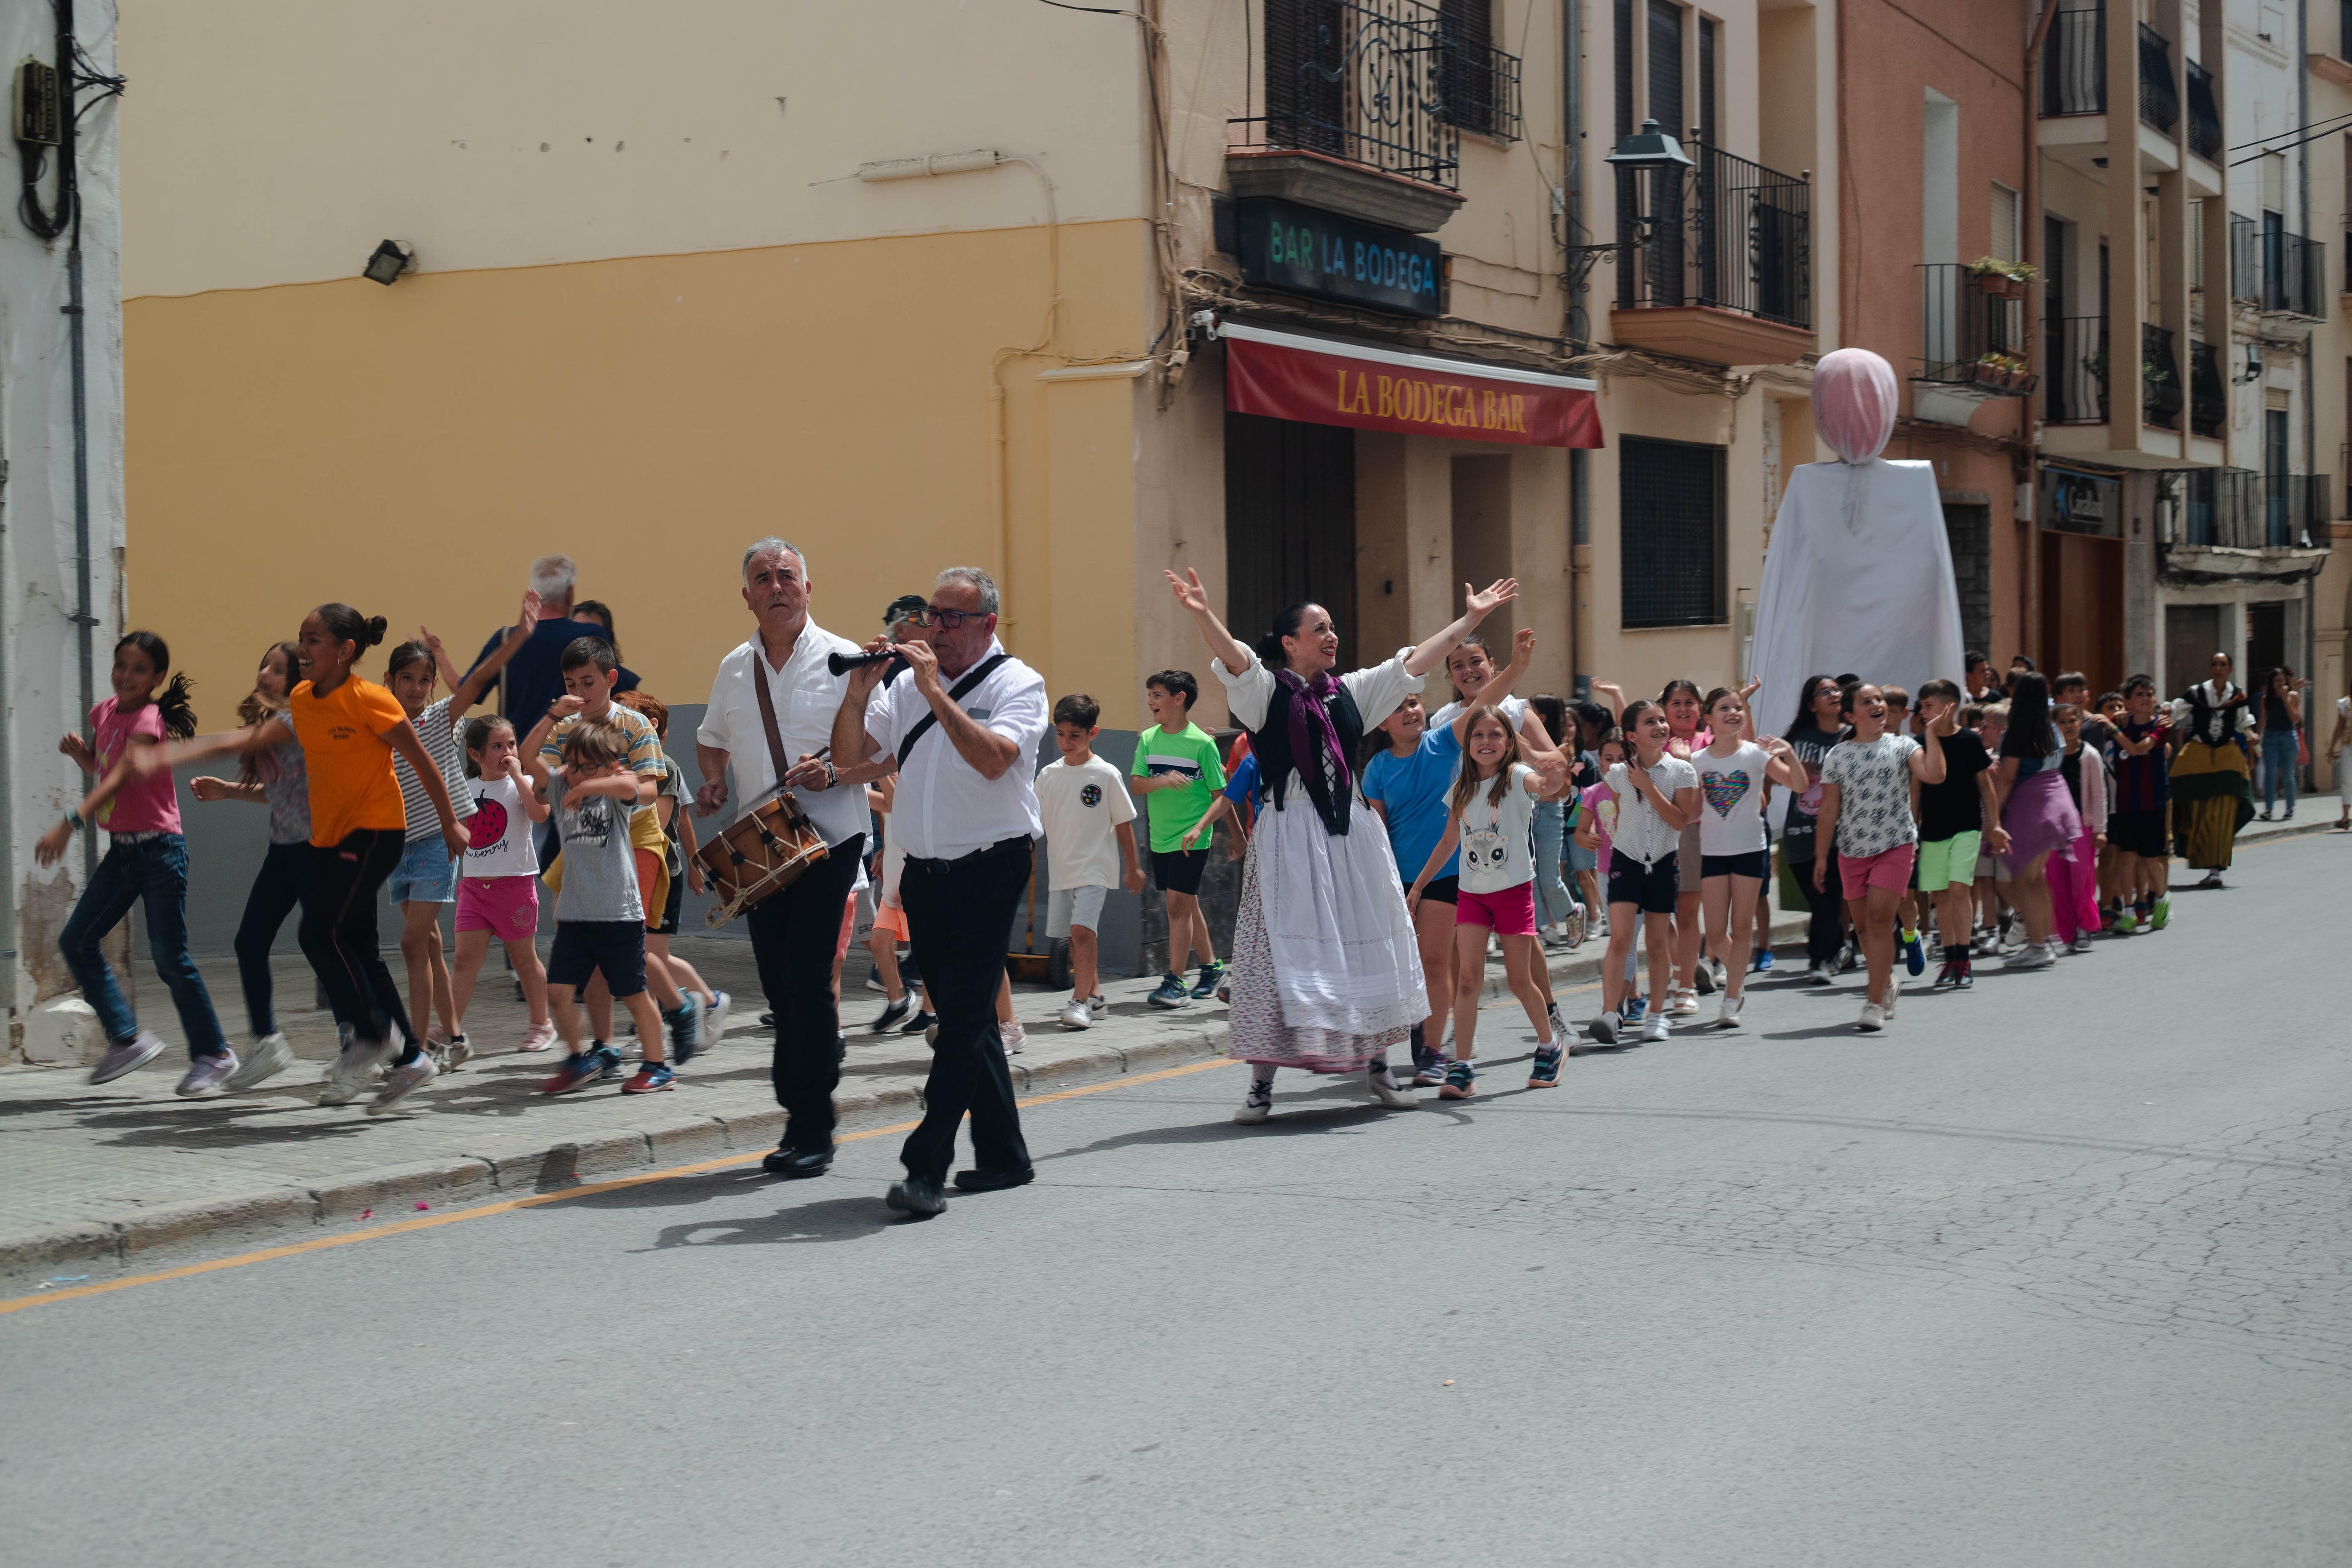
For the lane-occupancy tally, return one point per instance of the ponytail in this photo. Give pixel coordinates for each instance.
(347, 625)
(178, 713)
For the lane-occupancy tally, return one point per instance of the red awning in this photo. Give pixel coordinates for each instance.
(1285, 375)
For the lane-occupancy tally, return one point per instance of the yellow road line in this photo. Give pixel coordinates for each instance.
(426, 1222)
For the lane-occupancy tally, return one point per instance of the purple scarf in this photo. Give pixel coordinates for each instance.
(1315, 749)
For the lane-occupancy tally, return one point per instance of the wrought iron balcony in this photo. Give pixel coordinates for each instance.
(2209, 393)
(1387, 84)
(2278, 272)
(2237, 509)
(1972, 332)
(1732, 234)
(2160, 101)
(2074, 65)
(2075, 377)
(2162, 393)
(2205, 113)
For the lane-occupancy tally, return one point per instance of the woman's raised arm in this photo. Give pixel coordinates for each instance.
(1224, 646)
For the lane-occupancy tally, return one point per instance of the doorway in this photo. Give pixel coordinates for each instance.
(1481, 536)
(1290, 523)
(2266, 642)
(2082, 607)
(2192, 634)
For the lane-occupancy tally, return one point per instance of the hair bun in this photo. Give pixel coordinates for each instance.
(376, 627)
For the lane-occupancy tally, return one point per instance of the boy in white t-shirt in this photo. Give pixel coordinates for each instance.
(1089, 842)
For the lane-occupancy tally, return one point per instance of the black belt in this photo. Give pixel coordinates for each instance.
(935, 867)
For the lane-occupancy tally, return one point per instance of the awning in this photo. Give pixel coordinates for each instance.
(1319, 381)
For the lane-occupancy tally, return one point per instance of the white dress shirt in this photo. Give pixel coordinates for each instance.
(945, 808)
(807, 696)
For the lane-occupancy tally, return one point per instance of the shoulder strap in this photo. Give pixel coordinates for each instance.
(767, 713)
(956, 693)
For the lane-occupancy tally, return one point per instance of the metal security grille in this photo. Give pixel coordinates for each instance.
(1669, 533)
(1290, 523)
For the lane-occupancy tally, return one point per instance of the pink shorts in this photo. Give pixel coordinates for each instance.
(1511, 913)
(506, 907)
(1889, 869)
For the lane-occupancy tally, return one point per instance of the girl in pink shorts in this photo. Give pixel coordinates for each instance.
(497, 895)
(1491, 818)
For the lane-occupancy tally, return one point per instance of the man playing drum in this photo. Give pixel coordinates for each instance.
(794, 931)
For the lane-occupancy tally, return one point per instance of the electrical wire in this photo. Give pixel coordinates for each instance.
(2317, 125)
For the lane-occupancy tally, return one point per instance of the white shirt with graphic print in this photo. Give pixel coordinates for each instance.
(1497, 848)
(1873, 784)
(1731, 800)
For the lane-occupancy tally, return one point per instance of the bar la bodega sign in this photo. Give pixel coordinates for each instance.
(1283, 375)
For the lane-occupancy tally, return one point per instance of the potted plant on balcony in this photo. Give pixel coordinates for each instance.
(2003, 280)
(2003, 372)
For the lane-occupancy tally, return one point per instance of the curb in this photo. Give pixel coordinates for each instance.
(276, 1215)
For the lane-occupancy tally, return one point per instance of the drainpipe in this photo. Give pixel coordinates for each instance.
(2030, 562)
(2310, 357)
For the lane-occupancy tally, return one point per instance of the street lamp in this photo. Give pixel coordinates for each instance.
(1648, 151)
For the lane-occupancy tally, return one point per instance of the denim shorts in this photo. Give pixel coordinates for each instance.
(427, 873)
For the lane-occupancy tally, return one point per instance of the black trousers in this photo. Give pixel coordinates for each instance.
(794, 935)
(1824, 928)
(282, 887)
(339, 932)
(959, 918)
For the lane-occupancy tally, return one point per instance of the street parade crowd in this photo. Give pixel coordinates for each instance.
(892, 786)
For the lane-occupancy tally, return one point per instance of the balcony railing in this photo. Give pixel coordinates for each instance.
(1384, 83)
(2162, 397)
(2205, 113)
(2160, 101)
(2279, 272)
(1969, 336)
(1731, 234)
(2074, 65)
(2237, 509)
(2208, 393)
(2075, 374)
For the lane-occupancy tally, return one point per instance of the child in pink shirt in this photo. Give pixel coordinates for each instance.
(146, 862)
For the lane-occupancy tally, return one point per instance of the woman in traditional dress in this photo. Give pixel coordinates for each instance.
(1326, 973)
(2212, 789)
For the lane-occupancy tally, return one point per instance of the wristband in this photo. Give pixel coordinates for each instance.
(73, 819)
(832, 774)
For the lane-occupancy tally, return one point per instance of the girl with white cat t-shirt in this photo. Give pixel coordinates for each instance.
(1735, 849)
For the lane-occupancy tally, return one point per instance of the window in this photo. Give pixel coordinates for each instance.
(1466, 69)
(2004, 224)
(1669, 533)
(1706, 128)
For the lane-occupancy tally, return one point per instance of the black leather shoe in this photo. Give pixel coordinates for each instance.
(794, 1163)
(914, 1197)
(994, 1181)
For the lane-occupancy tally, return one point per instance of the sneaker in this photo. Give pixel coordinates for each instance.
(1577, 927)
(2127, 922)
(537, 1037)
(2082, 944)
(1544, 1071)
(1873, 1019)
(1893, 994)
(1915, 953)
(1603, 1029)
(354, 1068)
(436, 1046)
(650, 1077)
(874, 981)
(1171, 992)
(1258, 1104)
(1386, 1090)
(893, 1014)
(1012, 1036)
(1225, 987)
(580, 1069)
(1823, 974)
(1681, 1002)
(1846, 957)
(1551, 1011)
(1701, 982)
(1461, 1082)
(126, 1056)
(2159, 913)
(269, 1057)
(1727, 1015)
(1722, 975)
(402, 1080)
(207, 1075)
(1075, 1014)
(1097, 1008)
(1949, 974)
(924, 1024)
(1633, 1009)
(714, 1017)
(1428, 1069)
(1967, 979)
(2033, 956)
(2008, 920)
(1654, 1028)
(1213, 976)
(461, 1051)
(1763, 961)
(685, 1028)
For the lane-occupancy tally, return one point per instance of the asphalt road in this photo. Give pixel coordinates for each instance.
(2055, 1272)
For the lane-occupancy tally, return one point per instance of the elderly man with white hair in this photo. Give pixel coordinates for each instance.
(533, 679)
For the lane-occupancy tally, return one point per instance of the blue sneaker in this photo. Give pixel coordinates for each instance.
(1171, 993)
(1213, 976)
(1915, 953)
(651, 1077)
(1461, 1082)
(685, 1029)
(1633, 1008)
(1545, 1072)
(1763, 961)
(595, 1064)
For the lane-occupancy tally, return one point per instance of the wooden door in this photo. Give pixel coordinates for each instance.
(2083, 607)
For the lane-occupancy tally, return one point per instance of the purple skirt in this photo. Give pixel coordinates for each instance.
(2039, 817)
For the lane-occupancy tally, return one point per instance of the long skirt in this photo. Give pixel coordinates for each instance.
(2212, 798)
(1327, 972)
(2040, 818)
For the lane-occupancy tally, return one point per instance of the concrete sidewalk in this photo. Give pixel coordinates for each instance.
(100, 1179)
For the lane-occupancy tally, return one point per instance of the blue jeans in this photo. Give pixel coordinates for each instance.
(2278, 766)
(154, 872)
(1554, 902)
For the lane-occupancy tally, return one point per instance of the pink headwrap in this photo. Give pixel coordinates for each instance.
(1855, 398)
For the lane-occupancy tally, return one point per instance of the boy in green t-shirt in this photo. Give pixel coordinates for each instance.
(1178, 773)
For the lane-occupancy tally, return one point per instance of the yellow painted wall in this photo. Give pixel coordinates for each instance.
(410, 449)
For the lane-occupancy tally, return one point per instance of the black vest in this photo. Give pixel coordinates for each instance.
(2203, 711)
(1271, 745)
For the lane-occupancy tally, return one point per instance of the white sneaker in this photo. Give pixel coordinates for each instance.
(1893, 994)
(2082, 944)
(1715, 966)
(1259, 1103)
(539, 1037)
(1386, 1090)
(206, 1074)
(401, 1080)
(126, 1057)
(1013, 1036)
(1822, 975)
(1075, 1014)
(1701, 982)
(1603, 1028)
(873, 982)
(1726, 1017)
(2033, 956)
(270, 1056)
(1098, 1007)
(354, 1068)
(1654, 1028)
(714, 1017)
(1682, 1002)
(1873, 1019)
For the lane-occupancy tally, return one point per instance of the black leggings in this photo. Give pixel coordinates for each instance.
(339, 933)
(283, 886)
(1825, 927)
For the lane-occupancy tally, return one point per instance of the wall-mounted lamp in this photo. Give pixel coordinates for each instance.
(388, 263)
(1647, 151)
(2253, 364)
